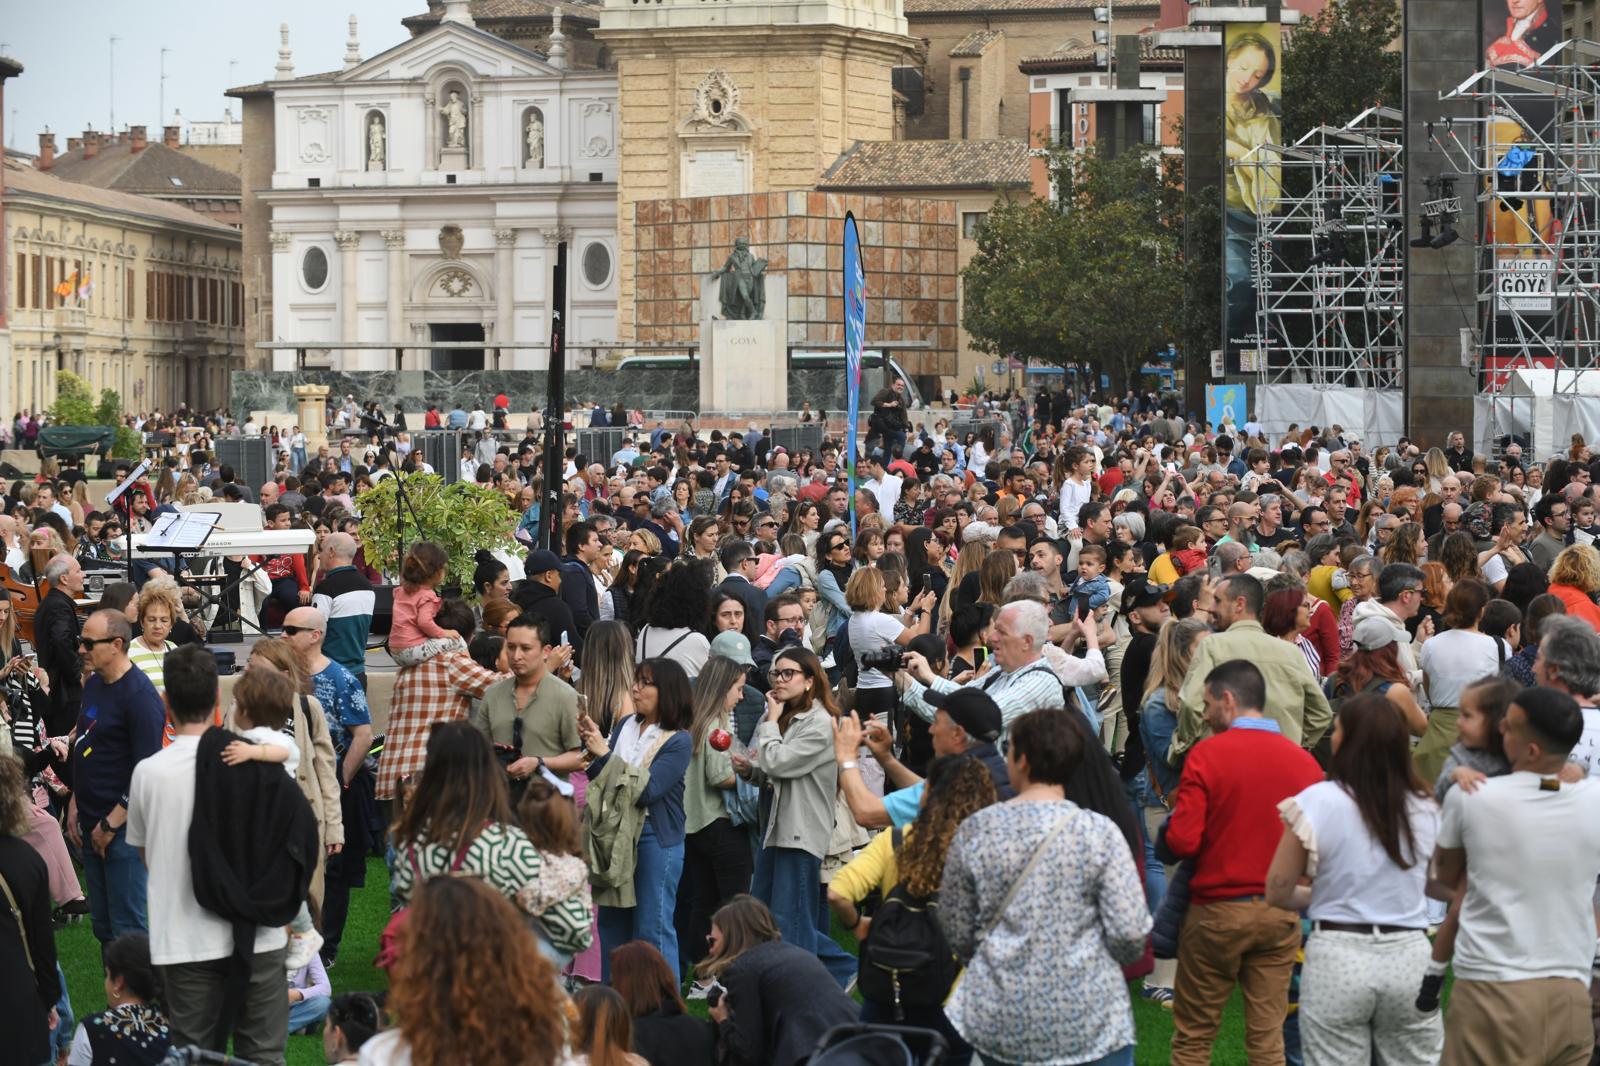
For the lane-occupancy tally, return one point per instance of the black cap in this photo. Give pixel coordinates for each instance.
(970, 708)
(1140, 593)
(541, 561)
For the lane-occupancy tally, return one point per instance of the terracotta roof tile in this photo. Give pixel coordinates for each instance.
(20, 182)
(929, 165)
(150, 171)
(975, 44)
(930, 7)
(1075, 55)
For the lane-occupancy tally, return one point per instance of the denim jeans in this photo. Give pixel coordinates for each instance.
(116, 886)
(309, 1012)
(789, 882)
(61, 1038)
(1155, 874)
(655, 890)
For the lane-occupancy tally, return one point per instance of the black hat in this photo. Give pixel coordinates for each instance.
(970, 708)
(1140, 593)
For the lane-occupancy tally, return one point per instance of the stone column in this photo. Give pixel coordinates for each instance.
(312, 401)
(505, 240)
(349, 324)
(553, 236)
(278, 271)
(395, 241)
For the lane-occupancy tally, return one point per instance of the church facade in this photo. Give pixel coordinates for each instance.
(420, 195)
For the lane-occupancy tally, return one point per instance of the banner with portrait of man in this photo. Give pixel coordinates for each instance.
(1252, 178)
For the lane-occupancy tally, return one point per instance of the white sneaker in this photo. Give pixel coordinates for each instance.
(302, 947)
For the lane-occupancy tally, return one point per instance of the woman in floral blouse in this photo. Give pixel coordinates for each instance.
(1042, 901)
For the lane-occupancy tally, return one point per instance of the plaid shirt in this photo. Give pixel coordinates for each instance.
(435, 690)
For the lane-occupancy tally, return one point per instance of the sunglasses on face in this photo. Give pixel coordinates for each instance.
(295, 631)
(90, 643)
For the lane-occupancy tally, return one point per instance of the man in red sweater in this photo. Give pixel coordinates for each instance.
(1225, 818)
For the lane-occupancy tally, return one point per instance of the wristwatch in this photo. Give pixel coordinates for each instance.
(105, 825)
(848, 764)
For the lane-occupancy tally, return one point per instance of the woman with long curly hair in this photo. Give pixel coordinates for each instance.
(1458, 554)
(1408, 545)
(470, 985)
(957, 786)
(673, 617)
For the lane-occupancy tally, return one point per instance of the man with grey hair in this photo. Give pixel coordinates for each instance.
(1231, 557)
(122, 722)
(1270, 531)
(56, 630)
(1383, 527)
(1569, 661)
(1022, 681)
(346, 600)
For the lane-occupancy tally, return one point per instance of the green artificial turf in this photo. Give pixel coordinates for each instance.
(369, 913)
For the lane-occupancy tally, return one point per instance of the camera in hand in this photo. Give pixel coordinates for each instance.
(885, 660)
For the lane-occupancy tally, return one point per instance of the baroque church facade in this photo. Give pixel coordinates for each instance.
(420, 196)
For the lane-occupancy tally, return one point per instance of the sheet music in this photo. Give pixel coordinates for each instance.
(128, 482)
(183, 531)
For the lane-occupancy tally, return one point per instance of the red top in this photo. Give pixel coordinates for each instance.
(1225, 815)
(1324, 636)
(1579, 605)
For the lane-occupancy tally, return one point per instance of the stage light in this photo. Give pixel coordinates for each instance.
(1447, 234)
(1333, 254)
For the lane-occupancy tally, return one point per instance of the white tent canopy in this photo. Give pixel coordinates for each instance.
(1530, 407)
(1377, 417)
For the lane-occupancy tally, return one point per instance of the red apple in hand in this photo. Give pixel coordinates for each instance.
(721, 739)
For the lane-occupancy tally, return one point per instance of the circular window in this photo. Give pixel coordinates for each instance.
(314, 268)
(596, 265)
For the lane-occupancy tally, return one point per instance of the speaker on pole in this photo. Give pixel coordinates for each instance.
(250, 457)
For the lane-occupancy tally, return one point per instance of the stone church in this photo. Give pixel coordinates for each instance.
(420, 194)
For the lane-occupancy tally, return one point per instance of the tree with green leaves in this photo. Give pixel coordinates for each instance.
(75, 406)
(1344, 62)
(1094, 277)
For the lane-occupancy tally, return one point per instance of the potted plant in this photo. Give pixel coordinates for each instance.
(75, 406)
(461, 518)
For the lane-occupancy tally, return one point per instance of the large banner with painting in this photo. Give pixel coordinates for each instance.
(1252, 178)
(1522, 227)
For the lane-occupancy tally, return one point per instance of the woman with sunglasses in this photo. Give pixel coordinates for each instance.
(654, 739)
(794, 760)
(833, 574)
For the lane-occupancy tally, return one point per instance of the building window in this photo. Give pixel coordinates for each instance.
(597, 265)
(314, 269)
(971, 223)
(1149, 125)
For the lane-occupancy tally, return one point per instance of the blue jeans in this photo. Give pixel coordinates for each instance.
(61, 1038)
(116, 887)
(789, 882)
(655, 890)
(308, 1012)
(297, 461)
(1155, 875)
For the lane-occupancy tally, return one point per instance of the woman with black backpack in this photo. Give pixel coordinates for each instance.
(907, 968)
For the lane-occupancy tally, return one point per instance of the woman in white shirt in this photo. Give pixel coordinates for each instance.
(1450, 662)
(673, 613)
(1363, 838)
(872, 632)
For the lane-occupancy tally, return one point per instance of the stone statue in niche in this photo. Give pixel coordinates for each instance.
(534, 138)
(455, 116)
(376, 149)
(743, 290)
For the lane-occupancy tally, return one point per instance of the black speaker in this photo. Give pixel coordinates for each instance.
(599, 445)
(9, 472)
(794, 439)
(441, 449)
(250, 457)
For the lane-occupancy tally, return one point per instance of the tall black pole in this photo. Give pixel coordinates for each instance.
(555, 440)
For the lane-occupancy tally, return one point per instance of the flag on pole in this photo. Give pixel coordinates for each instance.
(855, 330)
(87, 288)
(68, 286)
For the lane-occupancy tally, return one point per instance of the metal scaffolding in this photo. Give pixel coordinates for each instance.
(1532, 158)
(1329, 263)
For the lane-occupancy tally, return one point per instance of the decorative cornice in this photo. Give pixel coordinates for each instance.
(347, 240)
(505, 237)
(554, 235)
(394, 238)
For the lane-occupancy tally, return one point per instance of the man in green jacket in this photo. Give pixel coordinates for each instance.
(1294, 697)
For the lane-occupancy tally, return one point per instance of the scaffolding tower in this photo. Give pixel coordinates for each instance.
(1532, 157)
(1329, 267)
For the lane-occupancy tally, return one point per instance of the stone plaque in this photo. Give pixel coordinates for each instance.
(747, 369)
(715, 172)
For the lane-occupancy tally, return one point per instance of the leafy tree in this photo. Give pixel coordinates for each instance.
(1340, 65)
(74, 404)
(1094, 277)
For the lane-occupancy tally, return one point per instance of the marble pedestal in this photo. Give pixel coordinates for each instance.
(312, 400)
(744, 365)
(452, 159)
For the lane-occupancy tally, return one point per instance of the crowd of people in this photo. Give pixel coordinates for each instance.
(1085, 706)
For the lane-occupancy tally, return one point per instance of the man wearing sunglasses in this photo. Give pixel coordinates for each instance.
(121, 722)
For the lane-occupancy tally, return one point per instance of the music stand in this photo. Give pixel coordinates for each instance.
(116, 494)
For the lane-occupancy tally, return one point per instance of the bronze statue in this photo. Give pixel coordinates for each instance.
(743, 292)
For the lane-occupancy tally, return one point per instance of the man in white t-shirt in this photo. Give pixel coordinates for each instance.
(189, 945)
(882, 484)
(1526, 846)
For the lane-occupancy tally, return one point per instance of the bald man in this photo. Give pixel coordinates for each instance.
(346, 599)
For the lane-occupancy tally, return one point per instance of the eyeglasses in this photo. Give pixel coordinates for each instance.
(90, 643)
(783, 677)
(295, 631)
(836, 546)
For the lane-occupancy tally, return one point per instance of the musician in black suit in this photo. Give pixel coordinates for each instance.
(56, 630)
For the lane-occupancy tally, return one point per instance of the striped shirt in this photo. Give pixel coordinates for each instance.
(1033, 687)
(151, 662)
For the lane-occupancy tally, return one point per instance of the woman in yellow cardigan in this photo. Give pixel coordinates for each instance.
(956, 786)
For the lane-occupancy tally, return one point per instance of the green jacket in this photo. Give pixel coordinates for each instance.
(612, 823)
(1294, 697)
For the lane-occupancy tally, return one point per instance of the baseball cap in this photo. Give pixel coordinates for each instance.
(540, 561)
(1140, 593)
(1373, 634)
(970, 708)
(731, 645)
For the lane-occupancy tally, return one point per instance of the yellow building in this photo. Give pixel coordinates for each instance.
(130, 293)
